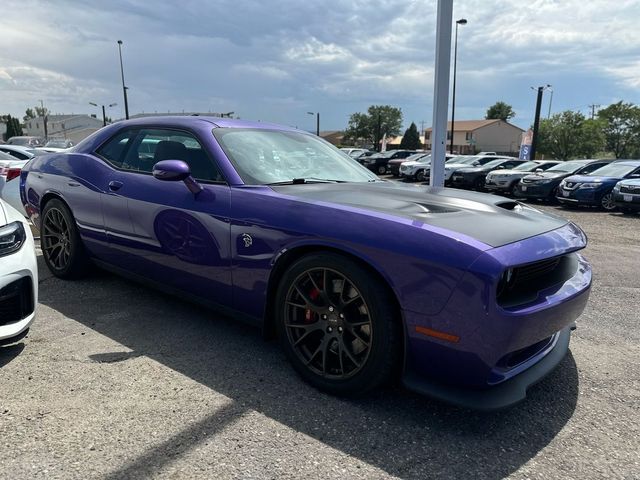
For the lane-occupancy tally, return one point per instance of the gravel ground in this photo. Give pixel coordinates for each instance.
(118, 381)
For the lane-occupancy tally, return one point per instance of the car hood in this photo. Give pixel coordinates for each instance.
(473, 170)
(415, 163)
(634, 182)
(591, 179)
(454, 166)
(546, 175)
(492, 220)
(507, 173)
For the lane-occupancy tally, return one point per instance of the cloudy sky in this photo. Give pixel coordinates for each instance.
(276, 60)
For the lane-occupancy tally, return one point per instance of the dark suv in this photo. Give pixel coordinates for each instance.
(379, 162)
(596, 188)
(544, 185)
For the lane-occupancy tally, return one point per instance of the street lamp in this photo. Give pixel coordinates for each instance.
(536, 121)
(124, 89)
(104, 115)
(317, 121)
(548, 87)
(462, 21)
(228, 114)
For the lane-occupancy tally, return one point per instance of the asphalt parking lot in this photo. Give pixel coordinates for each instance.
(119, 381)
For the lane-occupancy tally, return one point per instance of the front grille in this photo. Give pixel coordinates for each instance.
(630, 189)
(16, 301)
(526, 281)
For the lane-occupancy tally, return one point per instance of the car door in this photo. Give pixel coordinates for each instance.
(159, 229)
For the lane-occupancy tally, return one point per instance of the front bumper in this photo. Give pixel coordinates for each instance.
(580, 196)
(501, 396)
(630, 201)
(464, 181)
(18, 291)
(492, 344)
(534, 190)
(498, 185)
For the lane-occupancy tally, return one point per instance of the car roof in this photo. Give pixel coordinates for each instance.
(189, 120)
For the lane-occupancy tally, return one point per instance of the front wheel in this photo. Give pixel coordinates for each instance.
(421, 176)
(62, 247)
(336, 324)
(607, 202)
(382, 170)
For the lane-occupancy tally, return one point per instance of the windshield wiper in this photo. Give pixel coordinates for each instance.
(298, 181)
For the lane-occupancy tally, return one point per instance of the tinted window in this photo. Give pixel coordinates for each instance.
(589, 168)
(14, 154)
(115, 149)
(140, 150)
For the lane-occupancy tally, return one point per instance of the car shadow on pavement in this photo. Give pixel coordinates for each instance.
(404, 434)
(9, 352)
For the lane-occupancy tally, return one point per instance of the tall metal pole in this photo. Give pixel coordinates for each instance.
(462, 21)
(104, 117)
(536, 123)
(318, 124)
(550, 100)
(441, 91)
(124, 89)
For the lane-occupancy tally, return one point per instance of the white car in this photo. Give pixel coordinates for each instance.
(10, 168)
(20, 152)
(18, 275)
(417, 165)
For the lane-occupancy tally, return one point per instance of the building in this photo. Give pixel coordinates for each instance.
(473, 136)
(334, 137)
(75, 127)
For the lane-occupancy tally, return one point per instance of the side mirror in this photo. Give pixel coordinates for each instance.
(538, 170)
(174, 171)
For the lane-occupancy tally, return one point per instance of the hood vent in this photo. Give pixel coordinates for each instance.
(508, 205)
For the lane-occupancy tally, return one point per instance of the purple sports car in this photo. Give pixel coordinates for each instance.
(464, 296)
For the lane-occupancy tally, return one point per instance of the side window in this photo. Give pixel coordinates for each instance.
(590, 168)
(115, 149)
(154, 145)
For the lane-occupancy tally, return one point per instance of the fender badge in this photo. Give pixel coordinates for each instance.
(248, 241)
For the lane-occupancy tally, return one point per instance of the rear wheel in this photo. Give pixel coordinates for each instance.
(62, 247)
(336, 324)
(607, 202)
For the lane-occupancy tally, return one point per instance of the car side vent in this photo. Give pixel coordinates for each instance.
(508, 205)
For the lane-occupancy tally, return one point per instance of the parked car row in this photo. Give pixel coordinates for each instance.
(604, 183)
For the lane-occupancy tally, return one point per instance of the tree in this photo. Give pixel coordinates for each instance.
(29, 114)
(570, 135)
(500, 110)
(370, 127)
(411, 138)
(14, 129)
(621, 128)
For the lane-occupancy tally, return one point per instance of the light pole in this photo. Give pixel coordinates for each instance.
(317, 114)
(228, 114)
(124, 89)
(536, 121)
(462, 21)
(104, 115)
(548, 87)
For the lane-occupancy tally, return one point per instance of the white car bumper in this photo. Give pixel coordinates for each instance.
(18, 284)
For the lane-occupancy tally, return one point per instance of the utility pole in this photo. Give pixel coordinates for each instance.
(124, 89)
(536, 123)
(378, 136)
(44, 120)
(593, 110)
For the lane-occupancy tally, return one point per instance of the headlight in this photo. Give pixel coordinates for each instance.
(12, 237)
(590, 185)
(616, 187)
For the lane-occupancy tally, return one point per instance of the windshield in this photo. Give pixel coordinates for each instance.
(614, 170)
(527, 166)
(493, 163)
(567, 167)
(262, 157)
(419, 157)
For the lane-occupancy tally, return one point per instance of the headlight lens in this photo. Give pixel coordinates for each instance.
(590, 185)
(616, 187)
(12, 237)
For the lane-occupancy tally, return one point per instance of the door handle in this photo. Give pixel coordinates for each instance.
(115, 185)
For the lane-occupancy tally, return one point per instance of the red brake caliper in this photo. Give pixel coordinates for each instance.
(314, 294)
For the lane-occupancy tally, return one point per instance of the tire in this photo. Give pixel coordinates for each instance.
(607, 203)
(381, 169)
(479, 184)
(345, 340)
(420, 176)
(62, 249)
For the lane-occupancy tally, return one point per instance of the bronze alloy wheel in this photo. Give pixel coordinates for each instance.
(56, 239)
